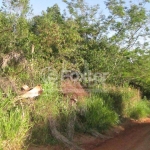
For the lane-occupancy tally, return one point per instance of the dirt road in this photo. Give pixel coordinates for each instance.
(134, 137)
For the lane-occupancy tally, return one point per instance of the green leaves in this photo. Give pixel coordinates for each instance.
(108, 43)
(116, 8)
(135, 11)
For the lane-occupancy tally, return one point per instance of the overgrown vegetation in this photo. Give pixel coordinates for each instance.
(109, 52)
(98, 115)
(99, 112)
(14, 124)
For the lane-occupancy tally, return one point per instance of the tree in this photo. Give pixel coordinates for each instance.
(111, 52)
(129, 24)
(57, 38)
(15, 13)
(19, 8)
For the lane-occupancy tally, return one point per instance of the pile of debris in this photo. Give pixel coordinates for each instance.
(73, 90)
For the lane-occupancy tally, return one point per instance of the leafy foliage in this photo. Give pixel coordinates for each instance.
(86, 40)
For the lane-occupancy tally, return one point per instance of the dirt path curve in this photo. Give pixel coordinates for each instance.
(135, 137)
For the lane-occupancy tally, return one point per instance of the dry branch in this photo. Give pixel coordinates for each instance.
(60, 137)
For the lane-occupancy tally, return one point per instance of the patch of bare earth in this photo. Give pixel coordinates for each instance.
(132, 135)
(136, 136)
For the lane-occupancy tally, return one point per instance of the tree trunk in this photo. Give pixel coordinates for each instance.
(60, 137)
(70, 125)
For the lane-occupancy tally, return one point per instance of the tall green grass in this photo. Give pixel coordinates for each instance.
(49, 104)
(120, 99)
(139, 110)
(125, 101)
(98, 115)
(14, 124)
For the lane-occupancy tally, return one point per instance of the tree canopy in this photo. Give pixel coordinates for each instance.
(117, 43)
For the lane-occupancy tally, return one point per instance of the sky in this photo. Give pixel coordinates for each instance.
(39, 5)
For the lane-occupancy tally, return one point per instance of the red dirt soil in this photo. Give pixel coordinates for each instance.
(73, 89)
(133, 135)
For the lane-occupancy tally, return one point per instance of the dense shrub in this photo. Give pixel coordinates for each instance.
(98, 115)
(140, 110)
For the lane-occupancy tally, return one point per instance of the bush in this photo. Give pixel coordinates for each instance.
(126, 102)
(120, 99)
(98, 115)
(140, 110)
